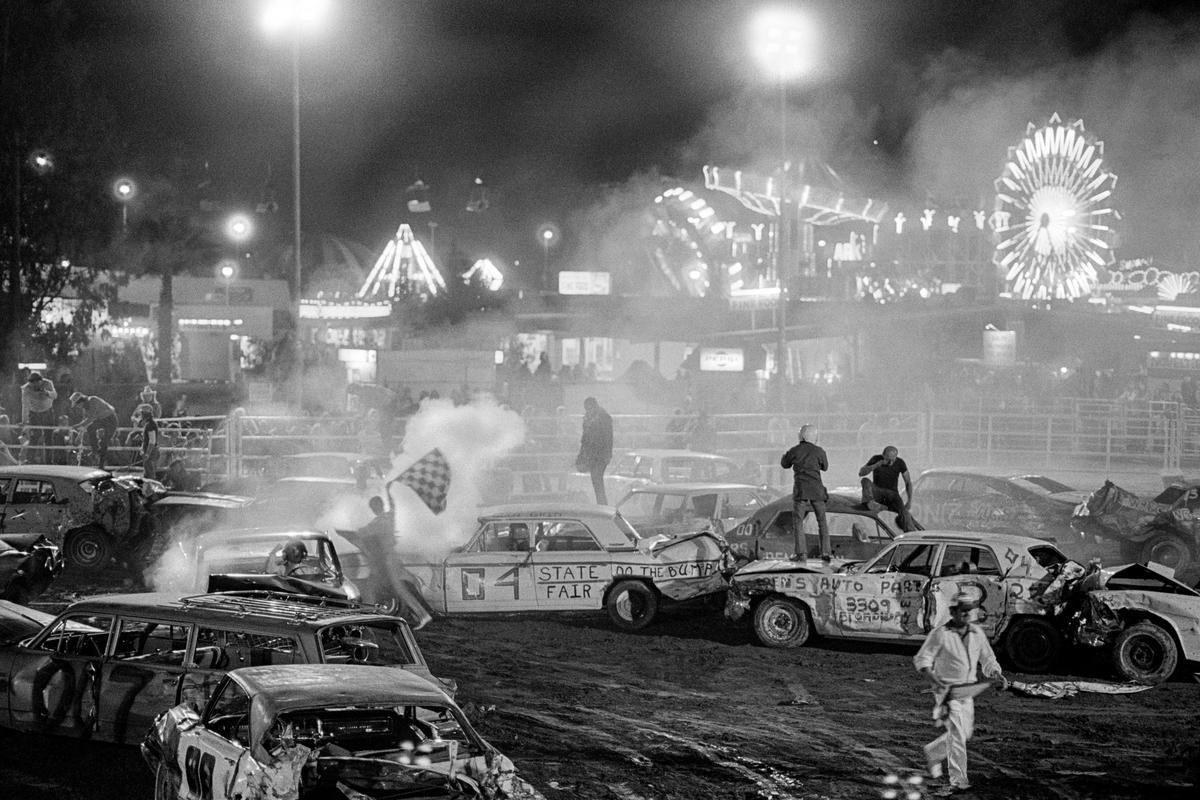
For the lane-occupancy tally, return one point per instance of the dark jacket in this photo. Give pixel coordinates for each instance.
(596, 445)
(807, 461)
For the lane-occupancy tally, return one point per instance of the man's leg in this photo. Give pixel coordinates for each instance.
(799, 512)
(598, 484)
(959, 726)
(818, 507)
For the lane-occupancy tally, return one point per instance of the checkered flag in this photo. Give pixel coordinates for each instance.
(429, 477)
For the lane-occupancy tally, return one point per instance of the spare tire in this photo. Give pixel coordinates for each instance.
(89, 549)
(1145, 653)
(631, 605)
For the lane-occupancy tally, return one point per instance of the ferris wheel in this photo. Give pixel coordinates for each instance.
(1054, 219)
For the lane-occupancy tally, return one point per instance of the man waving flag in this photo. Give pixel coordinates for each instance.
(429, 477)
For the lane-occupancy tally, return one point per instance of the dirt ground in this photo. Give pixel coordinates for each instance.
(692, 708)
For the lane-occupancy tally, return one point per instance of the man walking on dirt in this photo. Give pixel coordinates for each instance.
(595, 446)
(950, 659)
(807, 461)
(882, 489)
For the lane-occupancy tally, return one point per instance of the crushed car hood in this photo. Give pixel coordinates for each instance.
(1119, 513)
(767, 566)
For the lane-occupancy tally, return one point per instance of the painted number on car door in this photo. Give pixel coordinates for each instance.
(474, 582)
(198, 768)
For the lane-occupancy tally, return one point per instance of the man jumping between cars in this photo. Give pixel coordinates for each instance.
(807, 461)
(882, 490)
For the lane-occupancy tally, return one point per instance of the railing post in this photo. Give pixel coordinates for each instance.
(1107, 445)
(989, 440)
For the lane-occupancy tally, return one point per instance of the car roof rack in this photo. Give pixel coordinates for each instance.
(278, 605)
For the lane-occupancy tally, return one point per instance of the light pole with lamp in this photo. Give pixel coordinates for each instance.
(295, 17)
(124, 189)
(547, 235)
(239, 229)
(783, 41)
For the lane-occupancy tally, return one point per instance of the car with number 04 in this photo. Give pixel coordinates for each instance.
(905, 591)
(563, 557)
(325, 731)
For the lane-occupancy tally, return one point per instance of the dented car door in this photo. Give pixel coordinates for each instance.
(494, 572)
(967, 569)
(897, 580)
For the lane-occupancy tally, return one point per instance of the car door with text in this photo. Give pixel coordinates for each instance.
(973, 570)
(209, 754)
(494, 572)
(888, 599)
(571, 569)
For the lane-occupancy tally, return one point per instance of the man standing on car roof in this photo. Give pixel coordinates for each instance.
(595, 446)
(882, 489)
(950, 659)
(807, 461)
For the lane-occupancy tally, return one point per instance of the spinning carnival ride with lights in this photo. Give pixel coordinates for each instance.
(1054, 217)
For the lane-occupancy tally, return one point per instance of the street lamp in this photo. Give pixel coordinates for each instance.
(547, 235)
(295, 17)
(783, 41)
(124, 189)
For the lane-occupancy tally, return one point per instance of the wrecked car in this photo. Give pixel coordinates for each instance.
(1020, 503)
(563, 557)
(683, 507)
(106, 667)
(89, 512)
(1164, 530)
(1148, 621)
(855, 531)
(286, 732)
(905, 591)
(644, 467)
(251, 558)
(28, 564)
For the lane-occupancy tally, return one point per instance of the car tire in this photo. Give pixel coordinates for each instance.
(1145, 653)
(631, 605)
(166, 785)
(782, 622)
(1033, 644)
(1167, 549)
(90, 549)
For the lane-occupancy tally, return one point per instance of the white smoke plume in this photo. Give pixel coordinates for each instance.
(473, 438)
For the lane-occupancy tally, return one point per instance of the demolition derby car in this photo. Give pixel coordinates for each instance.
(1034, 601)
(28, 564)
(905, 591)
(682, 507)
(644, 467)
(1021, 504)
(235, 560)
(96, 516)
(572, 558)
(106, 667)
(358, 733)
(1164, 530)
(855, 531)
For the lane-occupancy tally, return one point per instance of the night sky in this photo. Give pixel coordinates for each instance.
(560, 105)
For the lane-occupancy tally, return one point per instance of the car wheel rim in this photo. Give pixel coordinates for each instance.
(1145, 654)
(781, 624)
(629, 608)
(86, 551)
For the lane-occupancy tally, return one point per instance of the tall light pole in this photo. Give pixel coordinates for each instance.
(783, 41)
(124, 189)
(547, 234)
(296, 17)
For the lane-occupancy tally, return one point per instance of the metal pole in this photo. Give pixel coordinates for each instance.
(781, 354)
(296, 278)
